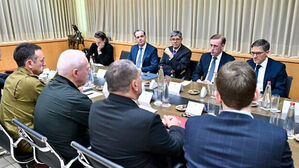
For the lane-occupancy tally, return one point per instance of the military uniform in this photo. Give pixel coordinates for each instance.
(20, 94)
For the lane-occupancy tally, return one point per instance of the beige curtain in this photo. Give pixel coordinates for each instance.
(241, 21)
(23, 20)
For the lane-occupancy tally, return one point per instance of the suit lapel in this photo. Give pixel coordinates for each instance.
(145, 53)
(135, 52)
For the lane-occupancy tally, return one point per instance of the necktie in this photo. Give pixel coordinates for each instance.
(212, 69)
(257, 71)
(138, 62)
(173, 52)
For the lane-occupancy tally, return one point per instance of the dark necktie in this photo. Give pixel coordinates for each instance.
(212, 69)
(138, 62)
(173, 52)
(257, 71)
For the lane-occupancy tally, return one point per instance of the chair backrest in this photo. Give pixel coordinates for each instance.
(190, 70)
(288, 85)
(8, 143)
(124, 54)
(90, 159)
(42, 150)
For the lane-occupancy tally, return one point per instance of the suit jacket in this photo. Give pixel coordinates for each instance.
(235, 140)
(106, 58)
(202, 67)
(132, 137)
(150, 60)
(178, 64)
(276, 73)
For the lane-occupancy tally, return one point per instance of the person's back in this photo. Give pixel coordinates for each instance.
(234, 138)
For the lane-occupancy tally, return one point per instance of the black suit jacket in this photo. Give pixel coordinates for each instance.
(276, 73)
(202, 67)
(235, 140)
(106, 58)
(130, 136)
(178, 63)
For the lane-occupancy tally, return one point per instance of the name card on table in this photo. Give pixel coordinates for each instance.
(101, 73)
(194, 108)
(145, 97)
(175, 88)
(285, 109)
(185, 83)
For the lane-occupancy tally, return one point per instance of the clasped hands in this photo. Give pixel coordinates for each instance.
(169, 120)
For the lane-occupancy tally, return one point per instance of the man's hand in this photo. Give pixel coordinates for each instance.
(169, 53)
(169, 121)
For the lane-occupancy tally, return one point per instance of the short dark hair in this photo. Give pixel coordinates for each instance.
(236, 84)
(120, 74)
(219, 36)
(261, 43)
(101, 35)
(138, 31)
(25, 51)
(176, 33)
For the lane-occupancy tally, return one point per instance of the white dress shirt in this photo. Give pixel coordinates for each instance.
(143, 49)
(216, 66)
(261, 75)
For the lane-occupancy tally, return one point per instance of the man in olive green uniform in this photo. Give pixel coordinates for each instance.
(22, 89)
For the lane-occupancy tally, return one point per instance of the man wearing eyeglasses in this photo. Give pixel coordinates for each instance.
(144, 55)
(267, 69)
(176, 58)
(210, 63)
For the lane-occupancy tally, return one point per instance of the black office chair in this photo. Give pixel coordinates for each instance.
(190, 70)
(8, 143)
(124, 54)
(288, 85)
(42, 150)
(91, 159)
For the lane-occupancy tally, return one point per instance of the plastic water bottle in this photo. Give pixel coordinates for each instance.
(160, 89)
(165, 97)
(266, 104)
(289, 122)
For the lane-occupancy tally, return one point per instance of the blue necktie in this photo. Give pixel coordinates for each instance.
(173, 52)
(257, 71)
(138, 62)
(212, 69)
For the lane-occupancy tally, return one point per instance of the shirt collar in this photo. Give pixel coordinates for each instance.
(143, 47)
(264, 63)
(240, 112)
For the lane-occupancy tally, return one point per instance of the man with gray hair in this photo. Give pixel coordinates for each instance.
(122, 132)
(176, 58)
(61, 112)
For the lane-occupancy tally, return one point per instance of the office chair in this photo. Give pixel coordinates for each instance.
(91, 159)
(43, 152)
(124, 54)
(288, 85)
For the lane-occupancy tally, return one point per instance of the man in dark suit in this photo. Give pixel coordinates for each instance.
(267, 69)
(210, 63)
(143, 54)
(176, 58)
(124, 133)
(234, 138)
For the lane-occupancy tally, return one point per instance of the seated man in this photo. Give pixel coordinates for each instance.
(267, 69)
(101, 51)
(234, 138)
(210, 63)
(176, 58)
(143, 54)
(61, 112)
(122, 132)
(22, 89)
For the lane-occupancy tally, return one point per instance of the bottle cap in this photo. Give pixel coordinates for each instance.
(292, 103)
(269, 82)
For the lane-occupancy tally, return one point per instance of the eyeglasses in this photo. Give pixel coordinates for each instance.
(175, 39)
(256, 53)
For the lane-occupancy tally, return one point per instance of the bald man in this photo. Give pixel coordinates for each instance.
(61, 112)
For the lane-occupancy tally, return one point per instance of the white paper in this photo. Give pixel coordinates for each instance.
(92, 94)
(194, 108)
(145, 97)
(105, 90)
(174, 88)
(285, 109)
(101, 73)
(153, 84)
(148, 108)
(185, 83)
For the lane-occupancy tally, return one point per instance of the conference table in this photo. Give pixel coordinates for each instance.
(184, 97)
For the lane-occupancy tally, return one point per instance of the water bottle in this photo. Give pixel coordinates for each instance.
(165, 96)
(266, 104)
(289, 122)
(160, 89)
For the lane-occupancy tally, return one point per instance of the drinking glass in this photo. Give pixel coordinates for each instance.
(274, 103)
(211, 90)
